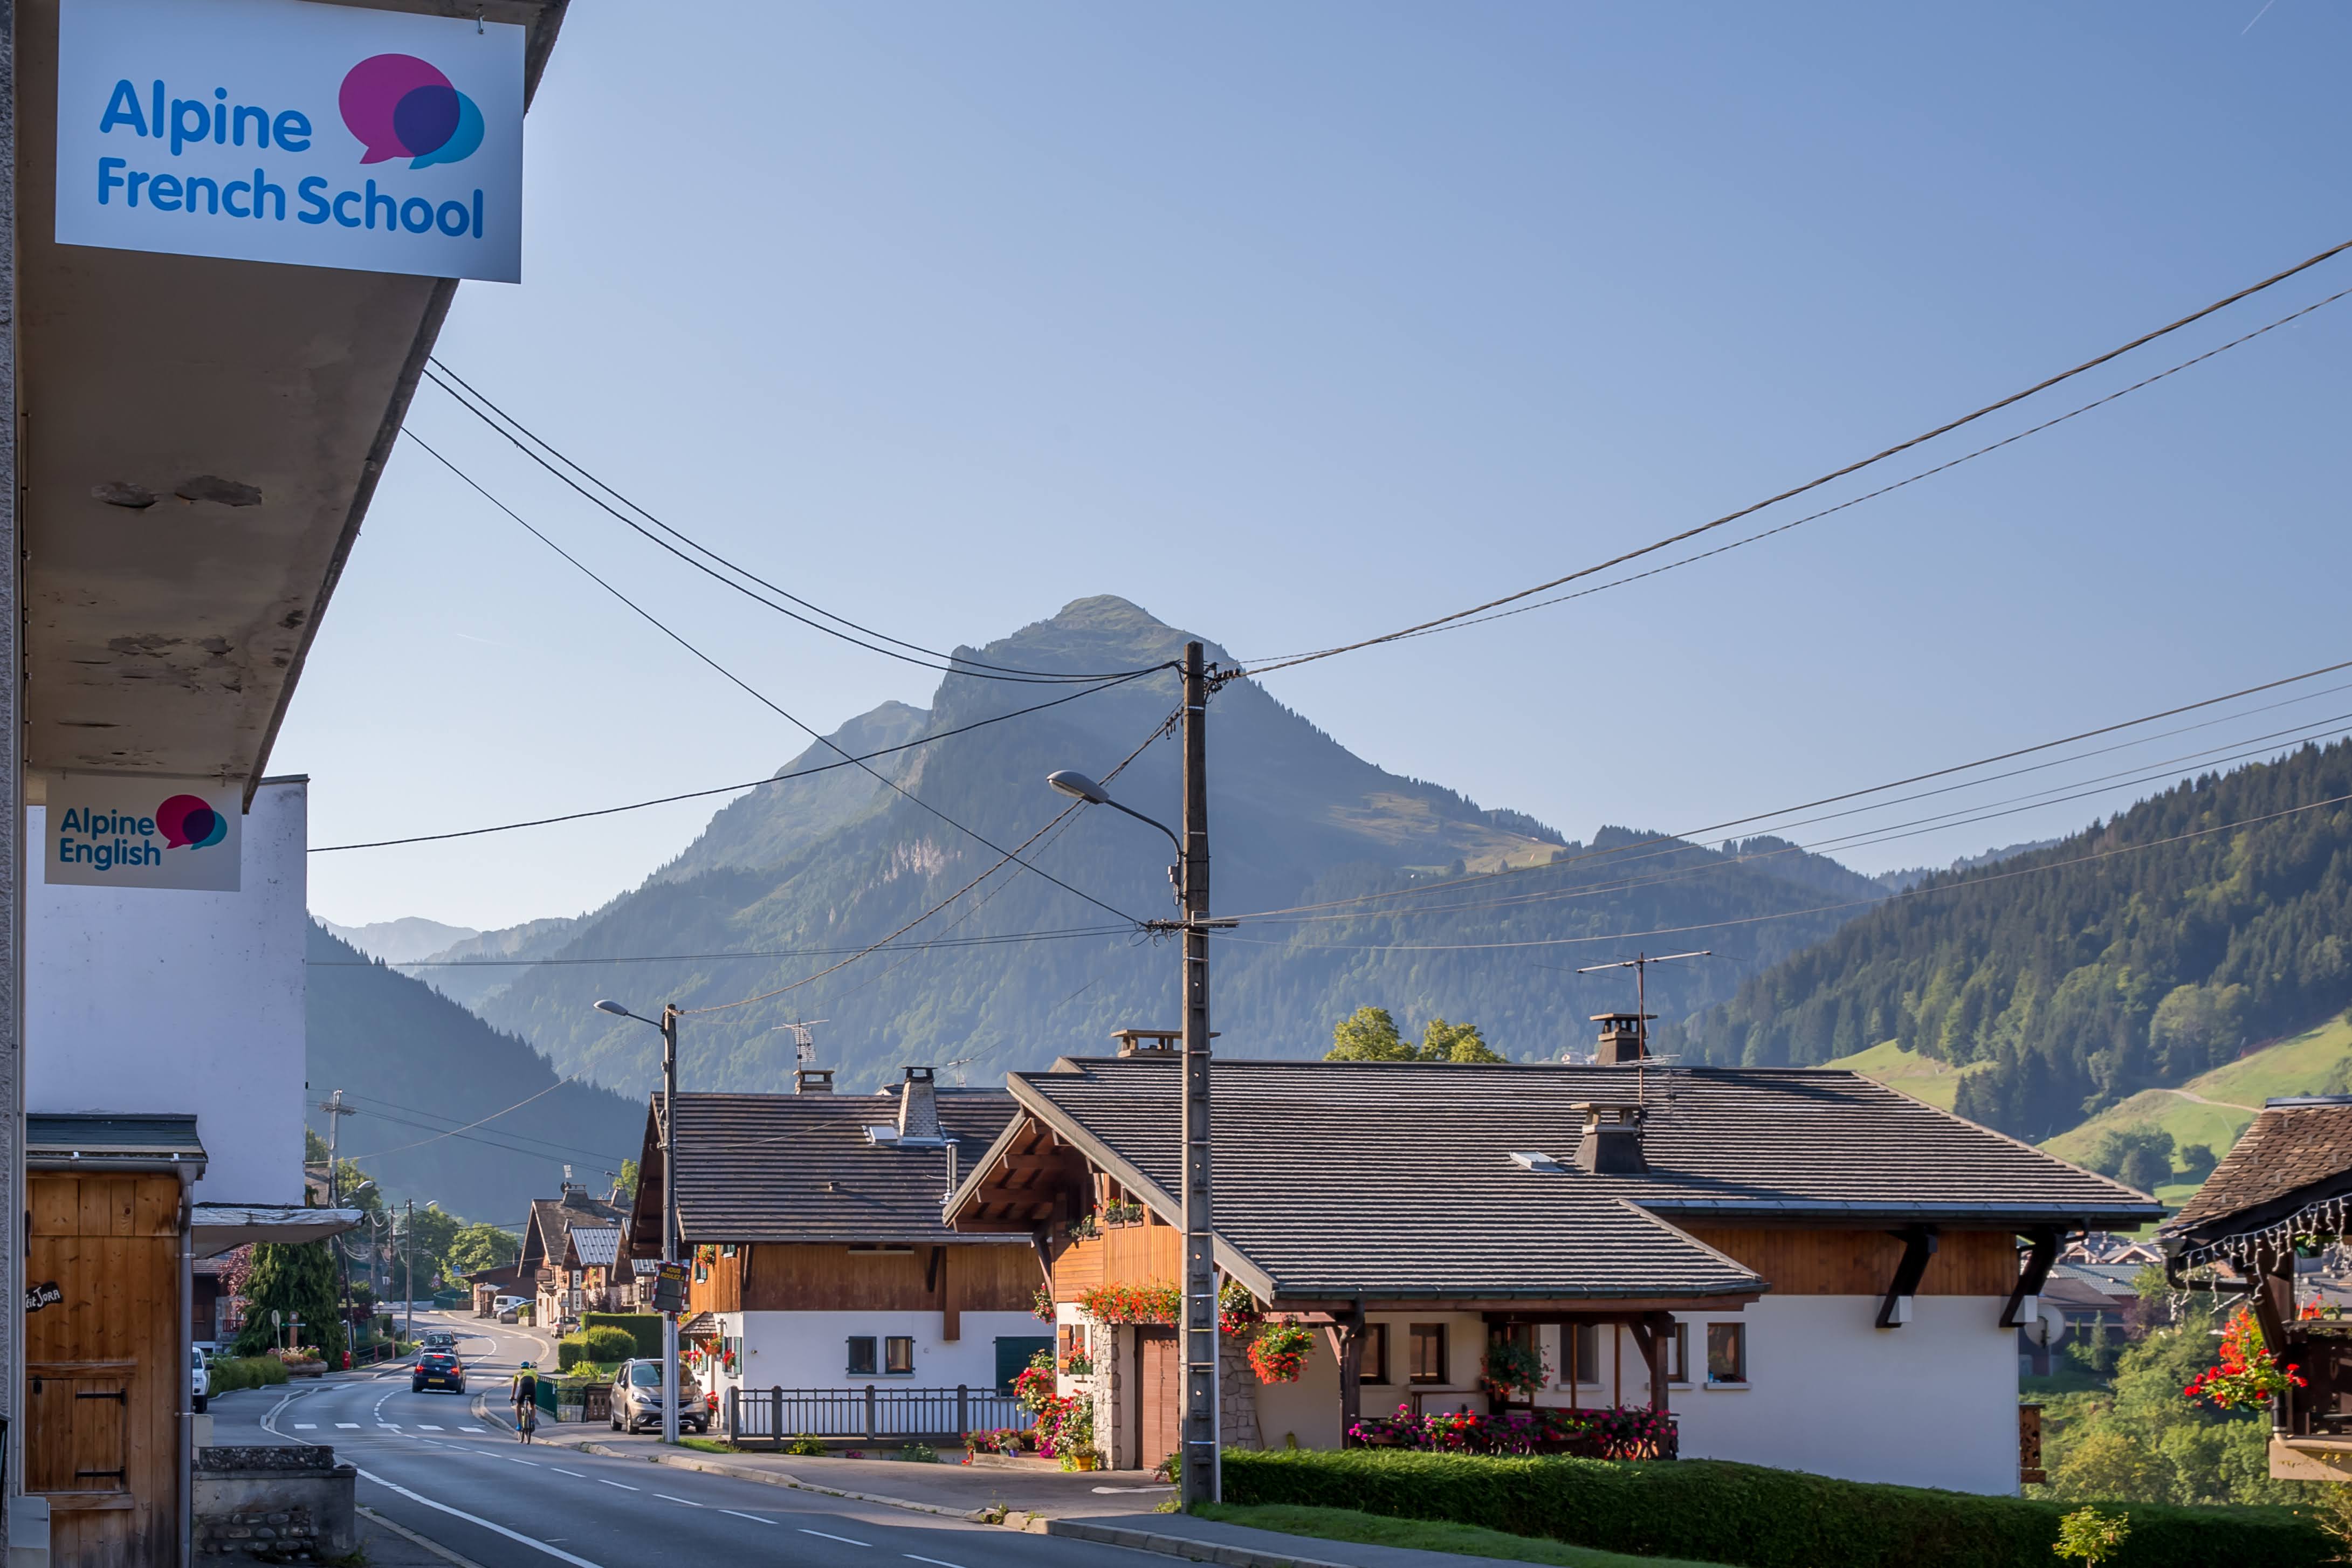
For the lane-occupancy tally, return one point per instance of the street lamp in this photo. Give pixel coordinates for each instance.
(1203, 1481)
(669, 1027)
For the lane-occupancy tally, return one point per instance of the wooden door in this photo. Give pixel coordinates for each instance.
(1158, 1405)
(105, 1366)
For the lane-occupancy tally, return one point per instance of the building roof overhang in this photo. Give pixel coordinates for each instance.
(167, 639)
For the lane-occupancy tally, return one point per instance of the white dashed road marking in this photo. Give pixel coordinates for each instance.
(622, 1485)
(346, 1425)
(842, 1539)
(577, 1475)
(306, 1425)
(935, 1561)
(421, 1427)
(667, 1498)
(755, 1517)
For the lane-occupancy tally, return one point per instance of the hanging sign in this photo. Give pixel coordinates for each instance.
(113, 831)
(669, 1288)
(326, 135)
(44, 1294)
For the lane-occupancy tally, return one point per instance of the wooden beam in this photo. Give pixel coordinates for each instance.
(950, 1315)
(1042, 1193)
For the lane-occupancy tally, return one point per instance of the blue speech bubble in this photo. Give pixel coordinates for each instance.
(462, 141)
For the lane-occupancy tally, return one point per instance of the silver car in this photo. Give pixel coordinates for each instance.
(637, 1399)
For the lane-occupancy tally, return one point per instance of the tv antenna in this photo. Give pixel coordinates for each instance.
(958, 1066)
(803, 1041)
(1640, 964)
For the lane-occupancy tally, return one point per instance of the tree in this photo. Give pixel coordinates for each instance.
(626, 1185)
(478, 1246)
(1445, 1042)
(1368, 1034)
(2136, 1156)
(434, 1231)
(2197, 1161)
(296, 1280)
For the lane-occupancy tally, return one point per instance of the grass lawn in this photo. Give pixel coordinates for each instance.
(1427, 1535)
(2297, 1066)
(1920, 1077)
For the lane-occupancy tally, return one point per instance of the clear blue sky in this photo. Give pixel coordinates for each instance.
(1295, 322)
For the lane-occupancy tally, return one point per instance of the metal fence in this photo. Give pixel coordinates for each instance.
(778, 1414)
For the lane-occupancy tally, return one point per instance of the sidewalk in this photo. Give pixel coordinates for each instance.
(947, 1487)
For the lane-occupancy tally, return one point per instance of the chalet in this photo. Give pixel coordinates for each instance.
(1807, 1269)
(2254, 1232)
(542, 1272)
(813, 1223)
(599, 1278)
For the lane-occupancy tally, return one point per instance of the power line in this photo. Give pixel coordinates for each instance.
(1068, 931)
(1479, 620)
(1687, 835)
(754, 693)
(547, 457)
(1812, 484)
(846, 761)
(1051, 823)
(1922, 890)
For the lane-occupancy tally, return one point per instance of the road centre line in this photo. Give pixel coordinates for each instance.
(490, 1525)
(934, 1562)
(578, 1474)
(667, 1498)
(842, 1539)
(755, 1517)
(622, 1485)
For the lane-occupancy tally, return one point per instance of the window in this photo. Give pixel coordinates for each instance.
(1429, 1353)
(861, 1355)
(727, 1249)
(1677, 1349)
(898, 1355)
(1726, 1353)
(1579, 1353)
(1375, 1367)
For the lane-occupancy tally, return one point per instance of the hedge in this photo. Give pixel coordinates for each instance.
(599, 1342)
(642, 1328)
(1751, 1516)
(231, 1373)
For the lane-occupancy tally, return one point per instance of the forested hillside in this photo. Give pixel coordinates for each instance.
(795, 876)
(2133, 955)
(449, 1111)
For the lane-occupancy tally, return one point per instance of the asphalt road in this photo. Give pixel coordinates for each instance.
(428, 1462)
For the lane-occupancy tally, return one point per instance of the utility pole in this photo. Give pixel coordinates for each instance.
(408, 1267)
(1202, 1460)
(669, 1214)
(336, 1111)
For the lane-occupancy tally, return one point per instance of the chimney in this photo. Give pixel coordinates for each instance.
(1624, 1039)
(1148, 1042)
(1612, 1144)
(813, 1081)
(919, 1107)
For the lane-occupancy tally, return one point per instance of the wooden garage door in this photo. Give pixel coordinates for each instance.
(1160, 1380)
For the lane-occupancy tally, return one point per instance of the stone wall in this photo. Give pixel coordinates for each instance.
(278, 1504)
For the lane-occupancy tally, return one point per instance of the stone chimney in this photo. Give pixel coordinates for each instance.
(1149, 1042)
(1624, 1037)
(1612, 1144)
(813, 1081)
(919, 1107)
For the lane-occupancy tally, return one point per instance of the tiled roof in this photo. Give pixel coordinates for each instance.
(598, 1246)
(2295, 1151)
(542, 1244)
(73, 1138)
(1339, 1176)
(799, 1167)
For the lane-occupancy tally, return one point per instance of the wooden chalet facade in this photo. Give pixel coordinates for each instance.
(556, 1286)
(1795, 1264)
(812, 1224)
(2284, 1191)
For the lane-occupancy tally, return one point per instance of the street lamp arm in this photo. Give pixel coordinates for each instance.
(1154, 821)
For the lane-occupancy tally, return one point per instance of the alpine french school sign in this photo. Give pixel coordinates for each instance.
(320, 134)
(110, 831)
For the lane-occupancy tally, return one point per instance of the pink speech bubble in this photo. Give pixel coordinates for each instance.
(372, 93)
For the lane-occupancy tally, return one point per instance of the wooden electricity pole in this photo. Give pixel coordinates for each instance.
(1201, 1466)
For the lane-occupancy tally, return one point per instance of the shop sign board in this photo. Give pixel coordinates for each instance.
(111, 830)
(292, 130)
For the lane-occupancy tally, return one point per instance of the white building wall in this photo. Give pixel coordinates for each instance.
(1932, 1404)
(167, 1001)
(810, 1350)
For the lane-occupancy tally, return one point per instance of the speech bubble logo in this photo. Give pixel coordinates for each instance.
(462, 142)
(402, 107)
(189, 822)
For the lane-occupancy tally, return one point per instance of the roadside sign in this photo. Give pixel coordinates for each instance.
(669, 1288)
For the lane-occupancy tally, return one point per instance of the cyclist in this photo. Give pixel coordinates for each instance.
(526, 1402)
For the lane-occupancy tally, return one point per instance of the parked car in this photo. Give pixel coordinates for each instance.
(437, 1369)
(203, 1373)
(511, 1309)
(637, 1399)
